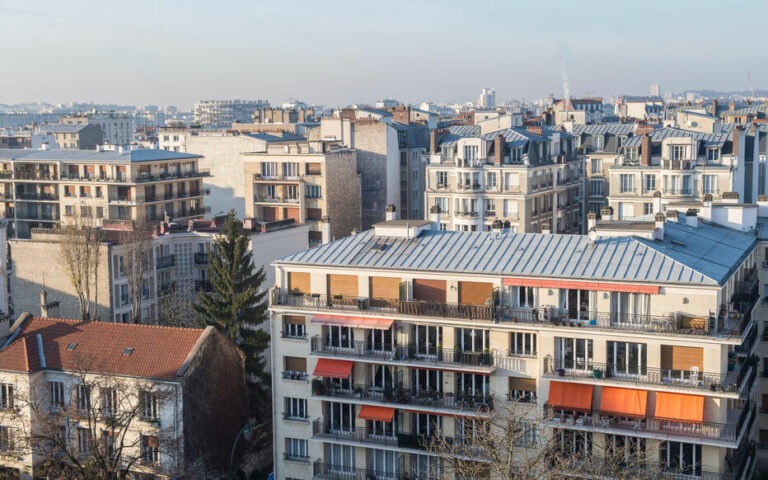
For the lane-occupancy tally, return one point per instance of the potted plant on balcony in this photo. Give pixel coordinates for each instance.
(597, 373)
(560, 372)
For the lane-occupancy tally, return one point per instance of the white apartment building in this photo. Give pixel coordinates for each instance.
(528, 179)
(635, 337)
(223, 113)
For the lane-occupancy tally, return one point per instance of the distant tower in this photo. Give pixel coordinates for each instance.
(487, 98)
(655, 90)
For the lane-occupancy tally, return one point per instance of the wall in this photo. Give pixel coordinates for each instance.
(342, 192)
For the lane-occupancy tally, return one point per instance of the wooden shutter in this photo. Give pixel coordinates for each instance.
(681, 358)
(295, 364)
(269, 214)
(385, 287)
(474, 293)
(527, 384)
(293, 320)
(342, 285)
(430, 290)
(298, 282)
(292, 213)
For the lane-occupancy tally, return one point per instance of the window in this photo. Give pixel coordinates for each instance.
(625, 451)
(107, 443)
(633, 154)
(312, 191)
(573, 353)
(677, 152)
(598, 141)
(713, 154)
(296, 450)
(69, 210)
(339, 337)
(119, 266)
(472, 339)
(150, 449)
(681, 458)
(622, 140)
(522, 344)
(627, 183)
(122, 294)
(597, 165)
(57, 394)
(6, 396)
(86, 212)
(650, 183)
(98, 192)
(625, 358)
(596, 187)
(148, 404)
(83, 398)
(99, 212)
(710, 184)
(529, 435)
(442, 179)
(490, 180)
(295, 409)
(6, 438)
(647, 208)
(291, 170)
(84, 441)
(470, 154)
(516, 155)
(294, 327)
(572, 443)
(108, 402)
(269, 169)
(442, 203)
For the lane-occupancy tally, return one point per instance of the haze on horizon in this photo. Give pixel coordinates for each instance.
(338, 52)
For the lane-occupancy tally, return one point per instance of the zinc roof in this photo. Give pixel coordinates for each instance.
(602, 129)
(96, 156)
(698, 256)
(658, 135)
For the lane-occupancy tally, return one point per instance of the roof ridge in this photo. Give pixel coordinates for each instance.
(121, 325)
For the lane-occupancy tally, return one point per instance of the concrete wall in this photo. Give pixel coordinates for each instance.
(342, 192)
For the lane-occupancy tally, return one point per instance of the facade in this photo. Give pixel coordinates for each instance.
(48, 188)
(401, 335)
(487, 98)
(152, 412)
(309, 182)
(117, 127)
(529, 179)
(80, 136)
(223, 113)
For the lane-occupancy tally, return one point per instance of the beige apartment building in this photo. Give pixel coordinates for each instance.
(529, 179)
(632, 340)
(314, 182)
(49, 188)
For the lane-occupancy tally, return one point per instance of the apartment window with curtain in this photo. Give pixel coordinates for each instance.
(627, 182)
(709, 183)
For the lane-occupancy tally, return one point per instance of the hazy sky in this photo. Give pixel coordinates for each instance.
(338, 52)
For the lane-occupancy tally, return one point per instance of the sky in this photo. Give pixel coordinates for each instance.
(338, 52)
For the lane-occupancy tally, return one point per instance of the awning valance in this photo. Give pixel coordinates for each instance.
(570, 396)
(623, 401)
(330, 368)
(579, 285)
(675, 406)
(358, 322)
(379, 414)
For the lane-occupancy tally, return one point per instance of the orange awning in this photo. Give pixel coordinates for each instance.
(570, 396)
(675, 406)
(579, 285)
(379, 414)
(623, 401)
(359, 322)
(327, 367)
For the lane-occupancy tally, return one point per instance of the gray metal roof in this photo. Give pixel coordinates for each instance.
(115, 156)
(603, 129)
(700, 256)
(657, 136)
(64, 127)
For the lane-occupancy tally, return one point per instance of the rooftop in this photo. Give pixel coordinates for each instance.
(95, 156)
(97, 347)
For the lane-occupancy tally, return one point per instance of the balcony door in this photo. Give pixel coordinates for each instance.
(574, 354)
(427, 341)
(627, 359)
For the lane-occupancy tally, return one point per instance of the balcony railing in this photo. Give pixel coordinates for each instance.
(201, 258)
(300, 376)
(677, 191)
(734, 382)
(404, 396)
(37, 196)
(728, 432)
(166, 261)
(338, 472)
(166, 288)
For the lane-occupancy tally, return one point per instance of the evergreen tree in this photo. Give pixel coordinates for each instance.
(235, 305)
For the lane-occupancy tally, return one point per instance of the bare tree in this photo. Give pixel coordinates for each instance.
(136, 249)
(81, 249)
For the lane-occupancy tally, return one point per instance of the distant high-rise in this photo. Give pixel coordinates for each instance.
(223, 113)
(655, 90)
(487, 98)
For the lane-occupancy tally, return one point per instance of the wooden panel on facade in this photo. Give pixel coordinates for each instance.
(385, 287)
(269, 214)
(474, 293)
(526, 384)
(342, 285)
(430, 290)
(295, 364)
(299, 282)
(294, 319)
(292, 213)
(674, 357)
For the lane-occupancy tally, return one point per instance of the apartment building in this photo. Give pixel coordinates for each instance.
(80, 136)
(223, 113)
(679, 165)
(160, 400)
(635, 341)
(117, 127)
(48, 188)
(314, 182)
(529, 179)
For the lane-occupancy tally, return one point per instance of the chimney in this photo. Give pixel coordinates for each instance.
(325, 229)
(434, 216)
(390, 212)
(672, 215)
(499, 143)
(658, 233)
(645, 150)
(534, 129)
(714, 106)
(591, 220)
(731, 106)
(736, 140)
(48, 309)
(730, 197)
(434, 140)
(691, 218)
(497, 226)
(657, 202)
(607, 213)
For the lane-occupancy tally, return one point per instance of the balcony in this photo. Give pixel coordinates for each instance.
(290, 457)
(166, 289)
(397, 395)
(668, 164)
(42, 197)
(298, 376)
(409, 354)
(201, 258)
(322, 429)
(166, 261)
(677, 191)
(730, 382)
(164, 176)
(465, 213)
(36, 176)
(730, 432)
(326, 471)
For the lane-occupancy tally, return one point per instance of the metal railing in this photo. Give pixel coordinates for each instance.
(201, 258)
(300, 376)
(324, 471)
(166, 261)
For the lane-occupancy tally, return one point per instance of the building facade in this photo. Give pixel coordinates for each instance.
(390, 339)
(529, 179)
(223, 113)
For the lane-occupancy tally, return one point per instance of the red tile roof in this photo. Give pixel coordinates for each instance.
(99, 347)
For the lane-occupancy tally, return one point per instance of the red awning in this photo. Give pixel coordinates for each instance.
(579, 285)
(570, 396)
(379, 414)
(327, 367)
(359, 322)
(623, 401)
(676, 406)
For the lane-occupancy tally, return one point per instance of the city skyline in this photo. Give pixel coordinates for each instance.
(342, 52)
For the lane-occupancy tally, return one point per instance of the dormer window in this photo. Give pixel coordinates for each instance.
(516, 155)
(633, 154)
(713, 154)
(677, 152)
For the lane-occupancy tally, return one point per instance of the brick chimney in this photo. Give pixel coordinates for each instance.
(645, 150)
(731, 106)
(736, 139)
(402, 114)
(536, 130)
(714, 106)
(434, 139)
(499, 145)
